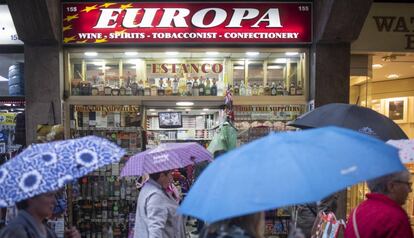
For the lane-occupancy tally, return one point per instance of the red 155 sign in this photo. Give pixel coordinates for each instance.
(187, 22)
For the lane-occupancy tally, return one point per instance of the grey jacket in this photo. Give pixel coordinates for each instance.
(24, 226)
(156, 215)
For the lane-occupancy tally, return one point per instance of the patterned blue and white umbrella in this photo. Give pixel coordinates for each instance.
(47, 167)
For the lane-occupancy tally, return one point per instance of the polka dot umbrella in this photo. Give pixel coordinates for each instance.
(46, 167)
(406, 148)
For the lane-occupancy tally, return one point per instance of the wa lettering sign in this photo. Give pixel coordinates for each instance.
(388, 27)
(190, 22)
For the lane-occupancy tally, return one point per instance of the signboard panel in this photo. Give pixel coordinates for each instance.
(8, 35)
(191, 22)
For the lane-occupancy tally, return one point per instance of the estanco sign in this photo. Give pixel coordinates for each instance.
(187, 22)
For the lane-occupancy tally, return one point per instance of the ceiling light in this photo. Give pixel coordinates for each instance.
(187, 109)
(131, 53)
(153, 113)
(205, 109)
(184, 103)
(238, 67)
(377, 66)
(281, 60)
(275, 67)
(393, 76)
(202, 113)
(212, 53)
(152, 110)
(291, 53)
(90, 53)
(171, 53)
(252, 53)
(169, 109)
(106, 67)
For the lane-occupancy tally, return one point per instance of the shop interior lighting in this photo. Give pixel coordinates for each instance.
(106, 68)
(152, 110)
(281, 61)
(238, 67)
(90, 53)
(212, 53)
(275, 67)
(153, 113)
(131, 53)
(393, 76)
(291, 53)
(169, 109)
(171, 53)
(203, 113)
(134, 61)
(187, 109)
(377, 66)
(205, 109)
(184, 103)
(252, 53)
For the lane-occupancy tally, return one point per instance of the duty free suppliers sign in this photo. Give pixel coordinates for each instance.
(189, 22)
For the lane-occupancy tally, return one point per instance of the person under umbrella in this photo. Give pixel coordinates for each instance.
(382, 215)
(30, 221)
(156, 214)
(30, 179)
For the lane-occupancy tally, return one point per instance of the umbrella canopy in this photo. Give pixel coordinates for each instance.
(165, 157)
(406, 149)
(46, 167)
(286, 169)
(353, 117)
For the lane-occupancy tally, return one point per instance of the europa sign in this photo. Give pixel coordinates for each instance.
(187, 22)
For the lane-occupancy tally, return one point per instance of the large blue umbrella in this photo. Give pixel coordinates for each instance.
(47, 167)
(286, 169)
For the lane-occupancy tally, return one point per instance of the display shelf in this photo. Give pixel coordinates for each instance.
(179, 129)
(126, 129)
(113, 100)
(192, 139)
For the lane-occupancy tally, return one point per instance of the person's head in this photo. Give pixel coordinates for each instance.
(396, 186)
(41, 205)
(252, 224)
(163, 178)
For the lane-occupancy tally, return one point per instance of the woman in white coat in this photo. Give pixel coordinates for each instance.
(156, 215)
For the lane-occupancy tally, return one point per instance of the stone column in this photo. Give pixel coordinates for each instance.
(38, 26)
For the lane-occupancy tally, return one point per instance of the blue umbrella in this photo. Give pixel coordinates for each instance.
(286, 169)
(47, 167)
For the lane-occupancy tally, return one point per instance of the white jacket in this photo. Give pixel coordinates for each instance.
(156, 215)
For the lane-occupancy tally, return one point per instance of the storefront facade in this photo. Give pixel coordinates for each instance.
(382, 72)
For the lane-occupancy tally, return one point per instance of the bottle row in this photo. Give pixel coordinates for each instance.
(102, 230)
(183, 87)
(265, 90)
(160, 87)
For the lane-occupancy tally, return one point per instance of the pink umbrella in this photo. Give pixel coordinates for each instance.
(406, 149)
(165, 157)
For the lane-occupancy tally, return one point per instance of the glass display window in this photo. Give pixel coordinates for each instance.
(187, 73)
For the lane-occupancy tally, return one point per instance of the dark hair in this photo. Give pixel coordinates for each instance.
(217, 153)
(156, 176)
(22, 205)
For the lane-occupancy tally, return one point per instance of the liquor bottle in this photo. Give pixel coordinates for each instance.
(189, 88)
(201, 87)
(168, 89)
(123, 191)
(195, 90)
(128, 81)
(115, 210)
(255, 90)
(175, 90)
(140, 88)
(128, 91)
(292, 89)
(134, 88)
(154, 90)
(107, 91)
(242, 90)
(249, 90)
(261, 90)
(122, 90)
(299, 90)
(273, 90)
(214, 88)
(279, 89)
(160, 90)
(147, 89)
(267, 90)
(208, 87)
(236, 90)
(117, 188)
